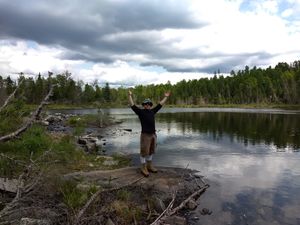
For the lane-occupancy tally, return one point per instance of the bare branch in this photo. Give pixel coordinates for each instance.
(11, 95)
(16, 161)
(182, 204)
(94, 196)
(22, 189)
(166, 211)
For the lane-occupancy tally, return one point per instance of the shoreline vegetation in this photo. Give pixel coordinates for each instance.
(243, 106)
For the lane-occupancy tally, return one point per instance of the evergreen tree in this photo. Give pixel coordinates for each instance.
(106, 93)
(9, 85)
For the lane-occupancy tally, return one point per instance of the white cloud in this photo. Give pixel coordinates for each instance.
(261, 36)
(287, 13)
(16, 57)
(20, 57)
(121, 73)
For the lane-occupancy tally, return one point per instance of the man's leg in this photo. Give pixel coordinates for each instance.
(150, 167)
(145, 144)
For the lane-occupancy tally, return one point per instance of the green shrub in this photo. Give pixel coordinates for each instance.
(72, 197)
(35, 141)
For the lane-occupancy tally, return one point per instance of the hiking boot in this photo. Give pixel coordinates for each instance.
(150, 167)
(144, 170)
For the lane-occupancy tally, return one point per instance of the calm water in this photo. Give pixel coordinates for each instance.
(250, 157)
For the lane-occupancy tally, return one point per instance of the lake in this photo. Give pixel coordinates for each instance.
(250, 157)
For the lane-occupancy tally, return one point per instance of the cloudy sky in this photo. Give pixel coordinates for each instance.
(131, 42)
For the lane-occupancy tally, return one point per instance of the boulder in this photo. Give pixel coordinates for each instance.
(9, 185)
(91, 147)
(82, 141)
(192, 205)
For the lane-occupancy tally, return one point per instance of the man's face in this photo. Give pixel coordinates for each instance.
(147, 106)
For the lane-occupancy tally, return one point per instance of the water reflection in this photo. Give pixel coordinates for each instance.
(280, 130)
(251, 161)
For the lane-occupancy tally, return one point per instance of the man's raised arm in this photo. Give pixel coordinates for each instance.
(130, 98)
(163, 101)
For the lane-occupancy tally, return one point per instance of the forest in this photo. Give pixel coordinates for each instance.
(278, 85)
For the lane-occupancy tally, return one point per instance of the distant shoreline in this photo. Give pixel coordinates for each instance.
(244, 106)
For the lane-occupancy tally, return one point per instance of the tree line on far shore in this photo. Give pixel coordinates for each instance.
(278, 85)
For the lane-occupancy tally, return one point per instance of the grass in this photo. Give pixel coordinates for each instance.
(16, 154)
(73, 197)
(126, 211)
(65, 155)
(123, 195)
(12, 116)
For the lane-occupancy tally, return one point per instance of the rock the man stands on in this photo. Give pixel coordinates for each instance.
(148, 135)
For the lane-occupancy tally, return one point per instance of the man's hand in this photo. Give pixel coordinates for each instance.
(163, 101)
(130, 98)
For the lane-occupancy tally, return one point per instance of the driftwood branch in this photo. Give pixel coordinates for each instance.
(34, 117)
(22, 188)
(16, 161)
(169, 211)
(182, 204)
(166, 211)
(96, 194)
(11, 95)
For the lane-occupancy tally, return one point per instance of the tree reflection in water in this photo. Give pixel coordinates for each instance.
(280, 130)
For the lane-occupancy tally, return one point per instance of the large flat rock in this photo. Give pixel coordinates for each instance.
(165, 180)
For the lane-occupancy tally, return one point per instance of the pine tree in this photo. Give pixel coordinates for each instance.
(106, 93)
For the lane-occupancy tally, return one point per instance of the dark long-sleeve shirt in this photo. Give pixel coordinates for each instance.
(146, 117)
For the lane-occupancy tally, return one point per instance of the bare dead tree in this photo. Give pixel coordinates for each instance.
(11, 96)
(34, 117)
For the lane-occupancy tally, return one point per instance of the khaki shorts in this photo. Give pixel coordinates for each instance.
(147, 144)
